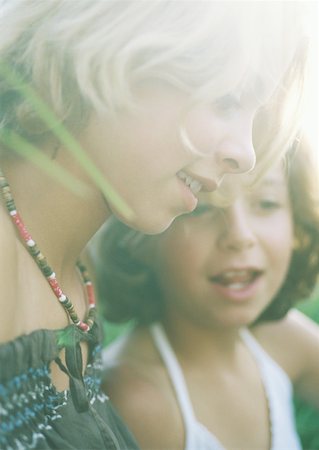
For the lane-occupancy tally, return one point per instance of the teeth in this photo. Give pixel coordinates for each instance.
(235, 279)
(182, 175)
(236, 286)
(237, 274)
(194, 185)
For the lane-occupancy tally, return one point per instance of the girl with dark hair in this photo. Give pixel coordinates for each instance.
(217, 344)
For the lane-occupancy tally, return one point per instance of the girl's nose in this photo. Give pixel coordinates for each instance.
(237, 232)
(222, 146)
(236, 153)
(236, 157)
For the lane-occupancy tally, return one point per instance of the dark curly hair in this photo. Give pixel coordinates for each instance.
(304, 266)
(128, 288)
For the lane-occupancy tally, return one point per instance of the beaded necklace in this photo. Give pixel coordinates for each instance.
(41, 262)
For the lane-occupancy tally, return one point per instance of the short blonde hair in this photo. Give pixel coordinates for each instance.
(88, 55)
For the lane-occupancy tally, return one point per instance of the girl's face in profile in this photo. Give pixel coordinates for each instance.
(147, 162)
(222, 267)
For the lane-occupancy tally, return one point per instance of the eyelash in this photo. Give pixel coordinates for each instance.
(269, 204)
(227, 103)
(261, 204)
(210, 211)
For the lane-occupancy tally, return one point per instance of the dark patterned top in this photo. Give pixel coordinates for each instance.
(34, 415)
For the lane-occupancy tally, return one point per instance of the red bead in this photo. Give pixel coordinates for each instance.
(55, 287)
(84, 326)
(90, 292)
(45, 268)
(21, 227)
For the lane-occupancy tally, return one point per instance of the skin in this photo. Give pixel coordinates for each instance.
(255, 233)
(140, 153)
(202, 320)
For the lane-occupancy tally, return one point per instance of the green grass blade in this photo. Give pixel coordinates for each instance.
(39, 159)
(66, 138)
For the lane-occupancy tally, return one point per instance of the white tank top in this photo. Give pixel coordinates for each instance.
(277, 387)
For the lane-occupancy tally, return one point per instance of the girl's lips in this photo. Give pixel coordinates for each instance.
(191, 185)
(194, 185)
(189, 198)
(197, 183)
(236, 275)
(237, 285)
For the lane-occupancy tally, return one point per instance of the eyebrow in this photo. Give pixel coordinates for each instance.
(255, 86)
(272, 181)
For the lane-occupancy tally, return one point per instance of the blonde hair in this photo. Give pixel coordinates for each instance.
(88, 55)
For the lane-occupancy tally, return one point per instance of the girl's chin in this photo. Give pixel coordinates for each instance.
(153, 228)
(236, 319)
(148, 225)
(240, 322)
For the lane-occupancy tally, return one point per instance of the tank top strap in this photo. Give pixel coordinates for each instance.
(262, 357)
(278, 390)
(175, 373)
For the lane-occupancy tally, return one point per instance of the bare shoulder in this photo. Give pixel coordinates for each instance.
(138, 386)
(294, 344)
(290, 341)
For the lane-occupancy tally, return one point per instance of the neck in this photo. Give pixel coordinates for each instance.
(201, 345)
(59, 220)
(61, 223)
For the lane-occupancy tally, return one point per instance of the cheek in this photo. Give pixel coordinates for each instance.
(179, 258)
(282, 247)
(205, 129)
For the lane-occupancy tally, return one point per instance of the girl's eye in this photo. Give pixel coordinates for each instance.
(268, 205)
(227, 103)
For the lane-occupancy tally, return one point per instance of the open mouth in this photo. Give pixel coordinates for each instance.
(194, 185)
(236, 279)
